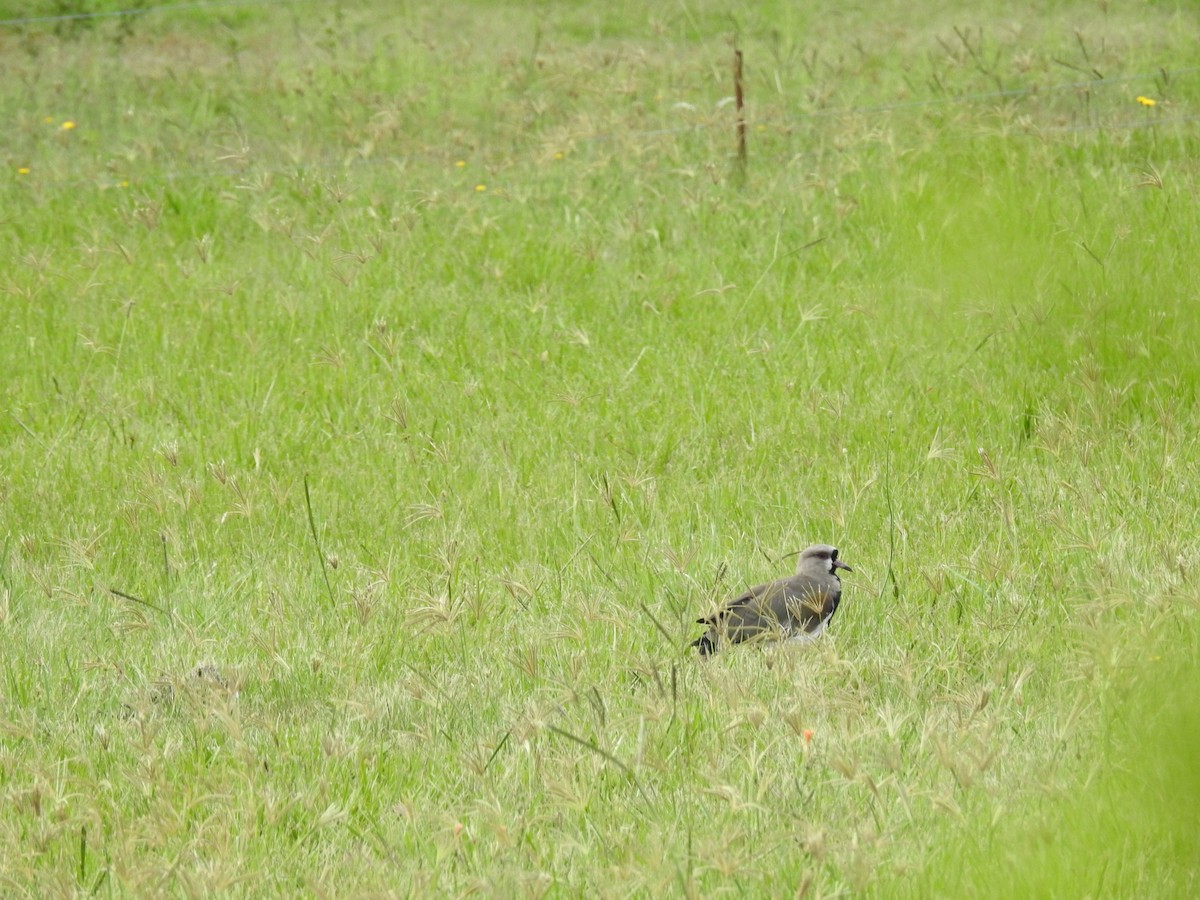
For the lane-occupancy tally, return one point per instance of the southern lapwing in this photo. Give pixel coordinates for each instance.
(796, 608)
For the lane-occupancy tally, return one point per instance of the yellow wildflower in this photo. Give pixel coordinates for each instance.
(480, 188)
(24, 170)
(461, 164)
(559, 155)
(67, 125)
(1147, 101)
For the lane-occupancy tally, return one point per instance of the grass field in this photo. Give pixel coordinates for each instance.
(387, 390)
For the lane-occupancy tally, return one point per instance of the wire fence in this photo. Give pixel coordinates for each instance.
(791, 120)
(351, 161)
(798, 118)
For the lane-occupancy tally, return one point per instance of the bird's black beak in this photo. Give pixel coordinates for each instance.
(838, 564)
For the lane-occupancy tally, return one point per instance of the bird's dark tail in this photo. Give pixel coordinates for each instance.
(705, 645)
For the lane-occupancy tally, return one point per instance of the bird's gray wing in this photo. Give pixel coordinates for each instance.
(761, 611)
(809, 602)
(735, 605)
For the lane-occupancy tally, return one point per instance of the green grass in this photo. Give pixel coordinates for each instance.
(388, 391)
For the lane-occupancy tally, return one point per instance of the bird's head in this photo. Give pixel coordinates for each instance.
(820, 560)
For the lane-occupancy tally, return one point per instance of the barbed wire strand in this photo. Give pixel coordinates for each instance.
(349, 162)
(901, 105)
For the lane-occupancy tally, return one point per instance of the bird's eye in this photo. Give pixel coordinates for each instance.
(833, 555)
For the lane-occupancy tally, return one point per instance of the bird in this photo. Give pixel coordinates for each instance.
(796, 608)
